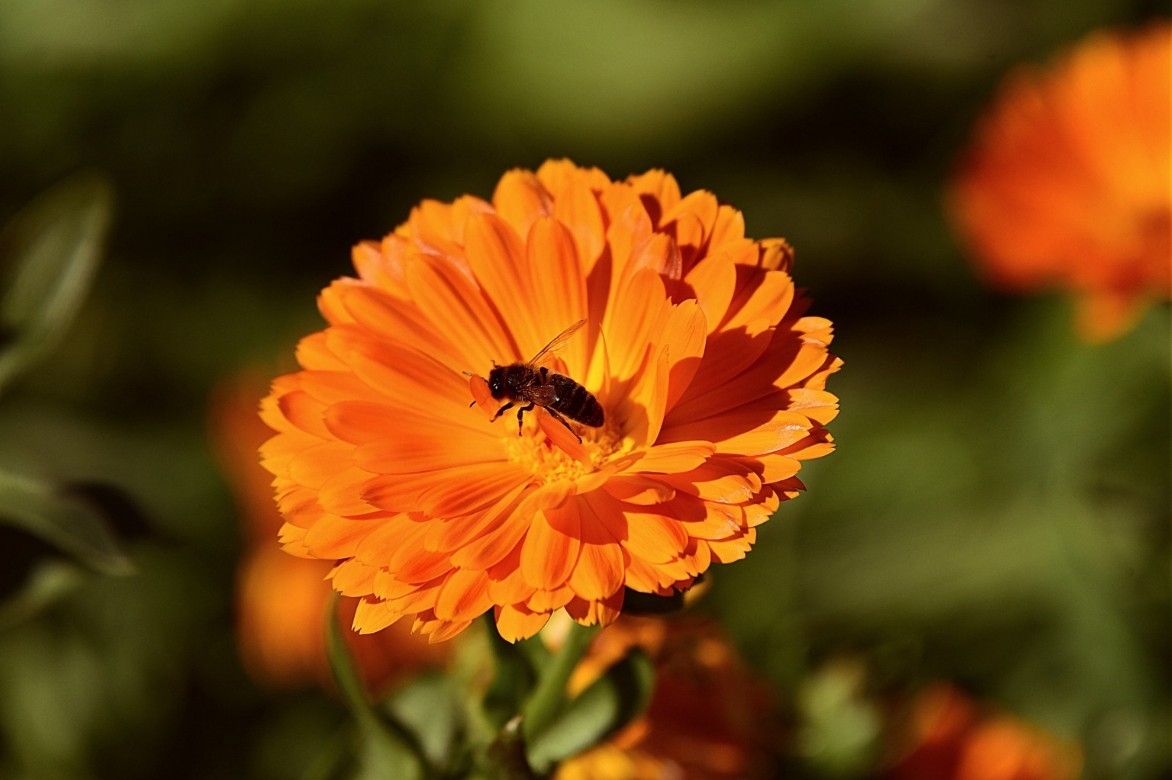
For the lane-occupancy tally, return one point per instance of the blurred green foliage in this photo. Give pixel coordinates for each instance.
(998, 512)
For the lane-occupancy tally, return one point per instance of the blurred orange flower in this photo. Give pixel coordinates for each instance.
(709, 718)
(949, 738)
(282, 640)
(1069, 179)
(696, 347)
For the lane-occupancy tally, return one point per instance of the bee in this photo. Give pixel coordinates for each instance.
(533, 385)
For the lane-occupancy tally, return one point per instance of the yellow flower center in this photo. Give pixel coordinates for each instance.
(535, 451)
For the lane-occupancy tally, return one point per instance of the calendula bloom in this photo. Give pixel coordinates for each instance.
(388, 459)
(951, 738)
(282, 640)
(1068, 183)
(709, 717)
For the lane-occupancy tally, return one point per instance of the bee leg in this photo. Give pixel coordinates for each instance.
(520, 414)
(563, 421)
(501, 411)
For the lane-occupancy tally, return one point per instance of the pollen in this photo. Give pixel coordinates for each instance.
(551, 461)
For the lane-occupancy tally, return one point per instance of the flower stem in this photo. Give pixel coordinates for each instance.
(550, 694)
(389, 747)
(343, 671)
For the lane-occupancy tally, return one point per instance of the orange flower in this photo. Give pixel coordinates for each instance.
(282, 640)
(950, 739)
(695, 346)
(709, 718)
(1069, 180)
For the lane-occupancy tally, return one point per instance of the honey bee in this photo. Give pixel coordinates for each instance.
(533, 385)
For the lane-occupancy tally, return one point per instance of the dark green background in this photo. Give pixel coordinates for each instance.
(997, 513)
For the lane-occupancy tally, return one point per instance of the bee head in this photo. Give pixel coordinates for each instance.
(496, 382)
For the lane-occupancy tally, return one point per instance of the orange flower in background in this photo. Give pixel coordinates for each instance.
(1069, 179)
(709, 717)
(949, 738)
(282, 640)
(695, 346)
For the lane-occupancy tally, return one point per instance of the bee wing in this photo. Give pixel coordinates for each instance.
(557, 341)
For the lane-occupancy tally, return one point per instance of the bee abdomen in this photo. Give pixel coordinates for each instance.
(575, 401)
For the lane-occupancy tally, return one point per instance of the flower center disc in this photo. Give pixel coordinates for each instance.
(560, 456)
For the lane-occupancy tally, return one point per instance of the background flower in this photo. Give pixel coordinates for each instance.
(282, 640)
(710, 718)
(1067, 180)
(697, 348)
(951, 737)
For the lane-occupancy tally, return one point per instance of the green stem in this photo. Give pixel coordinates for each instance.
(550, 694)
(343, 670)
(390, 743)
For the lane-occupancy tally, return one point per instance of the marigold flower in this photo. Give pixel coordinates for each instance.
(951, 738)
(282, 640)
(709, 718)
(695, 345)
(1069, 179)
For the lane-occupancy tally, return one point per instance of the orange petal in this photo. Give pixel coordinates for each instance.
(660, 189)
(304, 412)
(670, 458)
(341, 494)
(599, 571)
(729, 550)
(718, 521)
(372, 615)
(630, 320)
(558, 289)
(602, 612)
(727, 355)
(515, 622)
(576, 207)
(353, 578)
(496, 255)
(683, 338)
(520, 199)
(463, 596)
(335, 537)
(754, 431)
(493, 546)
(713, 280)
(445, 296)
(426, 444)
(638, 489)
(444, 630)
(548, 554)
(476, 487)
(549, 600)
(450, 534)
(506, 584)
(391, 321)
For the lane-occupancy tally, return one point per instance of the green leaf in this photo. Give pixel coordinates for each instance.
(514, 676)
(598, 712)
(428, 707)
(505, 757)
(549, 696)
(387, 748)
(840, 727)
(72, 525)
(48, 255)
(48, 583)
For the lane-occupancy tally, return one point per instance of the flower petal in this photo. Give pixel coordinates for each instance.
(549, 553)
